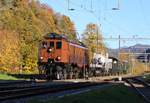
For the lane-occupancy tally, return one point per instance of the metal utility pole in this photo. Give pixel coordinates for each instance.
(133, 60)
(145, 61)
(119, 43)
(71, 9)
(97, 40)
(118, 6)
(91, 6)
(68, 4)
(119, 52)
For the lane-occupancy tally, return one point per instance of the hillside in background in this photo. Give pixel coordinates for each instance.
(22, 26)
(138, 48)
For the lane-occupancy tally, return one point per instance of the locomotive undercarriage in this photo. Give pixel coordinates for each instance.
(61, 71)
(57, 70)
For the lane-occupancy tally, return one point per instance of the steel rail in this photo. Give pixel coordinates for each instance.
(137, 90)
(26, 92)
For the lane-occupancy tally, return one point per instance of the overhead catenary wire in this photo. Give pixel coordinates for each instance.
(118, 6)
(98, 17)
(91, 6)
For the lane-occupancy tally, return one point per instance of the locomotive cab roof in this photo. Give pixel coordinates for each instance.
(55, 36)
(62, 36)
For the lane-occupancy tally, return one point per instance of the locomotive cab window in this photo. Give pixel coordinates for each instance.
(44, 44)
(51, 44)
(58, 45)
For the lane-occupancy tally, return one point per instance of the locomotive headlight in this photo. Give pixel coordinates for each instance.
(50, 50)
(58, 57)
(115, 62)
(41, 58)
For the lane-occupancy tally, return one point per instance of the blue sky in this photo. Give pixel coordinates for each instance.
(132, 20)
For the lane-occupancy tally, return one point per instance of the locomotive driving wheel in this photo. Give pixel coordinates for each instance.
(64, 73)
(42, 69)
(59, 73)
(76, 72)
(49, 73)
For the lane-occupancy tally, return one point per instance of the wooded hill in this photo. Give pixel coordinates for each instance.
(22, 26)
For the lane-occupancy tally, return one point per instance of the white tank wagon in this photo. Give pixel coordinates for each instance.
(102, 64)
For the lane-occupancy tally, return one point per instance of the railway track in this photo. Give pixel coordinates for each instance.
(141, 87)
(7, 85)
(16, 93)
(44, 77)
(30, 76)
(22, 89)
(10, 85)
(10, 82)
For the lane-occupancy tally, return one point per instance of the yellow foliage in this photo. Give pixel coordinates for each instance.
(92, 38)
(123, 56)
(9, 51)
(23, 23)
(137, 67)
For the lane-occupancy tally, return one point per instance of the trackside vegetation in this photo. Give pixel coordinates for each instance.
(114, 94)
(7, 77)
(23, 23)
(147, 78)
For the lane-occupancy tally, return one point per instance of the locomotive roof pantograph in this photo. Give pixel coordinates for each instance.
(62, 36)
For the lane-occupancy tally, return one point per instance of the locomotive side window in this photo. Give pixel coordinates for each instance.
(58, 45)
(51, 44)
(44, 44)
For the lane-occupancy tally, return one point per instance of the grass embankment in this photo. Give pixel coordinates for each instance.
(7, 77)
(147, 77)
(114, 94)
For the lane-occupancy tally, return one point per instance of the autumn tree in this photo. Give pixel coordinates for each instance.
(28, 21)
(135, 66)
(9, 51)
(92, 38)
(124, 56)
(66, 26)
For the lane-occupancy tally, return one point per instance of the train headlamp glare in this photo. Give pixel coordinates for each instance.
(41, 58)
(58, 58)
(115, 62)
(50, 50)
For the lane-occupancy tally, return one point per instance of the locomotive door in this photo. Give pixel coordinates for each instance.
(51, 50)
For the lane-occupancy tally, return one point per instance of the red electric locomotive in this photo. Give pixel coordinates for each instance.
(60, 58)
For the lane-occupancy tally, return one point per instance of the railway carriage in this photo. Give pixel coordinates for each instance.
(60, 58)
